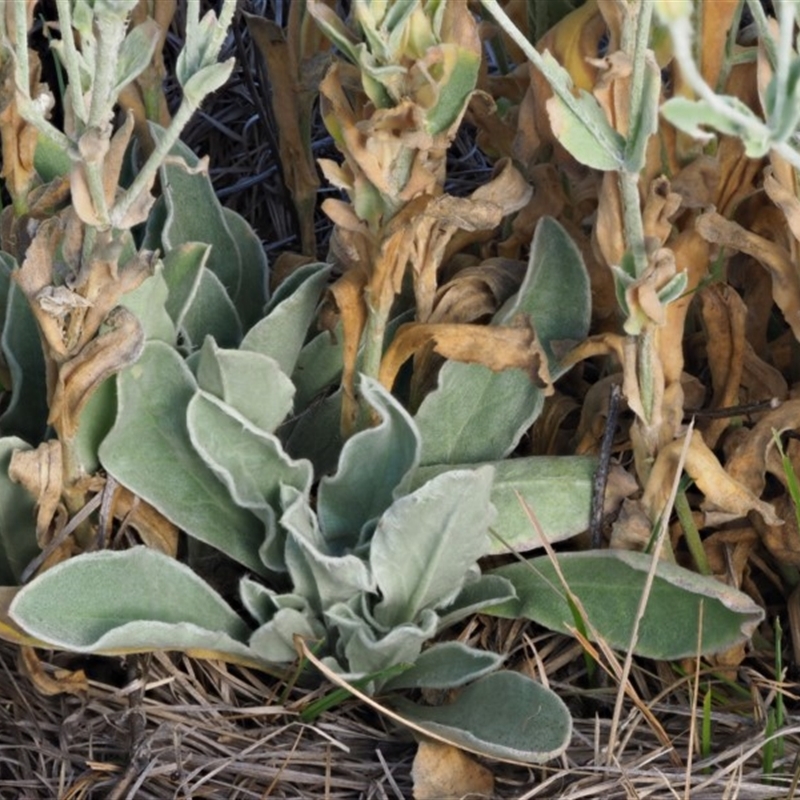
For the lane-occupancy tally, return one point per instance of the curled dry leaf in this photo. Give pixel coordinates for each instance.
(783, 541)
(116, 348)
(724, 315)
(784, 197)
(18, 136)
(40, 471)
(747, 463)
(293, 85)
(51, 682)
(775, 258)
(728, 553)
(155, 530)
(497, 347)
(443, 771)
(475, 293)
(722, 491)
(347, 298)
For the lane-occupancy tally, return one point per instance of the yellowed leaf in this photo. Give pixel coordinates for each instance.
(119, 346)
(443, 772)
(346, 296)
(54, 682)
(155, 530)
(722, 490)
(775, 258)
(40, 471)
(496, 347)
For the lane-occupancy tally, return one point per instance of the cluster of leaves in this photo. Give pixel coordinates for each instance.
(352, 478)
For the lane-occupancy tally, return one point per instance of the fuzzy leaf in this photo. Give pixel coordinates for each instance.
(427, 541)
(503, 715)
(372, 465)
(149, 451)
(251, 463)
(609, 586)
(446, 666)
(148, 303)
(249, 382)
(282, 333)
(274, 641)
(128, 601)
(211, 313)
(558, 488)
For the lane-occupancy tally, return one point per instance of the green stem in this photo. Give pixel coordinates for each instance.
(692, 535)
(374, 337)
(21, 46)
(71, 60)
(632, 219)
(645, 347)
(110, 35)
(146, 176)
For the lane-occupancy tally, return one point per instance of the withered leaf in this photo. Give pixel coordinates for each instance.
(443, 771)
(722, 490)
(78, 378)
(496, 347)
(40, 471)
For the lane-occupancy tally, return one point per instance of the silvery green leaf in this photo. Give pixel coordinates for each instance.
(373, 466)
(273, 642)
(262, 602)
(254, 282)
(557, 488)
(426, 542)
(249, 382)
(211, 313)
(647, 124)
(316, 434)
(25, 414)
(183, 267)
(485, 592)
(319, 365)
(148, 303)
(674, 288)
(149, 451)
(324, 579)
(282, 333)
(135, 54)
(580, 124)
(688, 115)
(477, 415)
(502, 715)
(446, 665)
(367, 651)
(207, 80)
(130, 600)
(251, 463)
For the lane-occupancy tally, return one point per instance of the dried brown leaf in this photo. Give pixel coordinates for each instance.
(775, 258)
(748, 461)
(496, 347)
(292, 96)
(722, 489)
(347, 297)
(61, 681)
(155, 530)
(443, 772)
(40, 472)
(724, 315)
(116, 348)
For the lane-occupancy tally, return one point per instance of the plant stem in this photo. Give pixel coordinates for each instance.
(21, 46)
(374, 337)
(146, 176)
(692, 535)
(71, 60)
